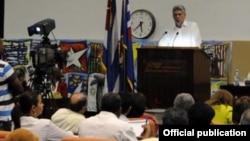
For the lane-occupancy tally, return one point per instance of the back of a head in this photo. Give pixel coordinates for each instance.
(126, 101)
(221, 96)
(240, 105)
(111, 102)
(138, 105)
(200, 114)
(27, 100)
(21, 134)
(245, 118)
(184, 101)
(77, 102)
(175, 116)
(20, 71)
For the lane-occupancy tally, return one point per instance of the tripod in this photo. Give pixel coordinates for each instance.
(43, 86)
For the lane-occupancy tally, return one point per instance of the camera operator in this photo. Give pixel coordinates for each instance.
(10, 86)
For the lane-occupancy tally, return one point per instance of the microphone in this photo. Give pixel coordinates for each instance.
(177, 33)
(166, 32)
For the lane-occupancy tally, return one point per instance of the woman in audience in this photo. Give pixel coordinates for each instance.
(31, 106)
(240, 105)
(138, 110)
(222, 102)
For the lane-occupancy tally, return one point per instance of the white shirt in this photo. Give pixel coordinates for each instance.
(186, 36)
(67, 119)
(44, 129)
(107, 125)
(124, 118)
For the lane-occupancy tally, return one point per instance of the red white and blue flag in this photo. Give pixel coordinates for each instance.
(127, 78)
(111, 53)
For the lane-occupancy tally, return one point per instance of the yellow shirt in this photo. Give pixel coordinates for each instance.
(223, 114)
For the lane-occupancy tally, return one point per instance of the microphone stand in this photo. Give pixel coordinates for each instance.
(166, 32)
(177, 33)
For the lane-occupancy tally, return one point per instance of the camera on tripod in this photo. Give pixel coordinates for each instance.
(43, 27)
(45, 56)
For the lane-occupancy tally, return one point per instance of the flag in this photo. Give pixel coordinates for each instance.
(111, 52)
(127, 78)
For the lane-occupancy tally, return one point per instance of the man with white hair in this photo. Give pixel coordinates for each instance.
(184, 33)
(183, 101)
(245, 118)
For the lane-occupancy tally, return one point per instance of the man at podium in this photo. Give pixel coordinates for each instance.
(183, 33)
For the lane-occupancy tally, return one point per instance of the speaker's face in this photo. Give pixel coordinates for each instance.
(179, 17)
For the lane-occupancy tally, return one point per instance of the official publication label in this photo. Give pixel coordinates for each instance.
(202, 132)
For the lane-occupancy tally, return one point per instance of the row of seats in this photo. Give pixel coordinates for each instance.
(4, 134)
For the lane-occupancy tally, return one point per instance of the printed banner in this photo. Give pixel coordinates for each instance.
(76, 60)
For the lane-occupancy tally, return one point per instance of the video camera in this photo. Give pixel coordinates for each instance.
(46, 55)
(43, 27)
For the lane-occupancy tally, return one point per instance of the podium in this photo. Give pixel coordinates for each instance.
(163, 72)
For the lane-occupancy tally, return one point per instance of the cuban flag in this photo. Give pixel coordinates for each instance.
(127, 78)
(111, 52)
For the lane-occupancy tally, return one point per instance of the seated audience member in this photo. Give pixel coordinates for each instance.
(21, 134)
(200, 114)
(222, 102)
(106, 124)
(31, 106)
(58, 85)
(126, 105)
(184, 101)
(138, 110)
(245, 118)
(175, 116)
(240, 105)
(70, 118)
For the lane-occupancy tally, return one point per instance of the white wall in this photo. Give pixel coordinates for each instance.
(85, 19)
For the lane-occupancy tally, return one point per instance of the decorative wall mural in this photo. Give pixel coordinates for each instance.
(76, 60)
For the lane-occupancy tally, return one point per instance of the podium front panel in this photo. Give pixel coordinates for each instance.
(163, 73)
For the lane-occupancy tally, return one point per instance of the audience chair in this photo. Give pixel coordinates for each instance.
(4, 134)
(85, 139)
(21, 134)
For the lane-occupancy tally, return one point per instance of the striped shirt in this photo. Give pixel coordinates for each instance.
(6, 76)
